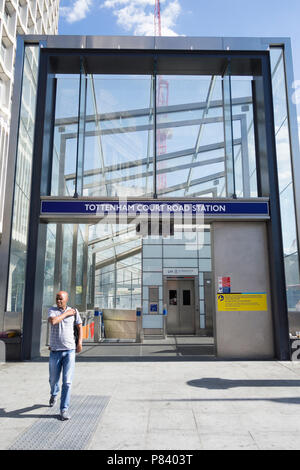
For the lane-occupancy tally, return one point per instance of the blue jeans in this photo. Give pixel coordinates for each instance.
(62, 361)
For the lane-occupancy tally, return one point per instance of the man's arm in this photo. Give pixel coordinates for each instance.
(79, 345)
(60, 318)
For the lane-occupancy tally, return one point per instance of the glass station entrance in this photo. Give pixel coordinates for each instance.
(182, 128)
(111, 268)
(136, 135)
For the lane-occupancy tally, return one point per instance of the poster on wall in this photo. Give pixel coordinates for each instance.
(224, 285)
(153, 308)
(243, 302)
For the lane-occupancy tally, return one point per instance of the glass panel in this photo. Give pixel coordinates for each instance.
(80, 265)
(190, 137)
(172, 297)
(104, 287)
(152, 264)
(243, 135)
(66, 266)
(283, 156)
(90, 277)
(287, 206)
(65, 135)
(289, 235)
(118, 266)
(49, 294)
(186, 297)
(18, 249)
(180, 251)
(278, 85)
(115, 140)
(49, 276)
(180, 263)
(119, 136)
(152, 251)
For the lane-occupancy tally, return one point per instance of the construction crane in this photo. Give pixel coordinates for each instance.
(162, 100)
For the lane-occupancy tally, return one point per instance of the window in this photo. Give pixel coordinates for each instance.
(186, 297)
(172, 297)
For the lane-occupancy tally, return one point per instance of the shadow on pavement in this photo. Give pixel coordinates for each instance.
(215, 383)
(26, 413)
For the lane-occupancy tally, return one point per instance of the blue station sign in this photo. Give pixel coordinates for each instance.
(102, 208)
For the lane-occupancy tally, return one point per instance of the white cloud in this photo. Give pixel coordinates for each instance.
(78, 11)
(137, 16)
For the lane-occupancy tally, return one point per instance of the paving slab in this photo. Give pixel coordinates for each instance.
(164, 405)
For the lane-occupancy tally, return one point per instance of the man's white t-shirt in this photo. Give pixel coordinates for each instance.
(62, 334)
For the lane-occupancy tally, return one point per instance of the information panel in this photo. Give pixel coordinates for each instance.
(247, 302)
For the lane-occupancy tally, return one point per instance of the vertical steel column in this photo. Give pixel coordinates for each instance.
(62, 161)
(37, 233)
(58, 260)
(81, 132)
(245, 157)
(274, 229)
(115, 284)
(85, 268)
(93, 267)
(154, 128)
(72, 294)
(261, 151)
(228, 133)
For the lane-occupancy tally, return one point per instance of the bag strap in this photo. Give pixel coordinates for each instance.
(74, 315)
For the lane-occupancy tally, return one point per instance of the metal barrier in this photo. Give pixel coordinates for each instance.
(88, 325)
(139, 326)
(115, 324)
(99, 332)
(165, 315)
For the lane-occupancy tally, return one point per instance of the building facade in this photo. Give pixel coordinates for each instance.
(17, 18)
(157, 174)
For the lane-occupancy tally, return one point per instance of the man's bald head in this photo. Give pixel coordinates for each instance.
(62, 298)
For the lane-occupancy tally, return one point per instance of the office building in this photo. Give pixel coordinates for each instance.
(17, 17)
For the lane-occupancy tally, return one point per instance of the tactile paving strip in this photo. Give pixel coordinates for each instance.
(50, 433)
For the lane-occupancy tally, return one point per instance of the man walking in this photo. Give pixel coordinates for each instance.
(62, 350)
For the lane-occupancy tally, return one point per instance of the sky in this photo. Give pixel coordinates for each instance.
(234, 18)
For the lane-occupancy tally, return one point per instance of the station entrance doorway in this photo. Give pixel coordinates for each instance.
(174, 281)
(110, 270)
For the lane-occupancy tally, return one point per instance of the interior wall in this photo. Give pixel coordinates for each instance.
(162, 257)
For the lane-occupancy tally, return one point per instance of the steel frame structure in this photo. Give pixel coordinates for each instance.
(173, 49)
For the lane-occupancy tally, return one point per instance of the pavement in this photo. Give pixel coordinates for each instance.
(158, 403)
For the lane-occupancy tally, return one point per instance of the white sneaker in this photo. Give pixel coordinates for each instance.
(64, 415)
